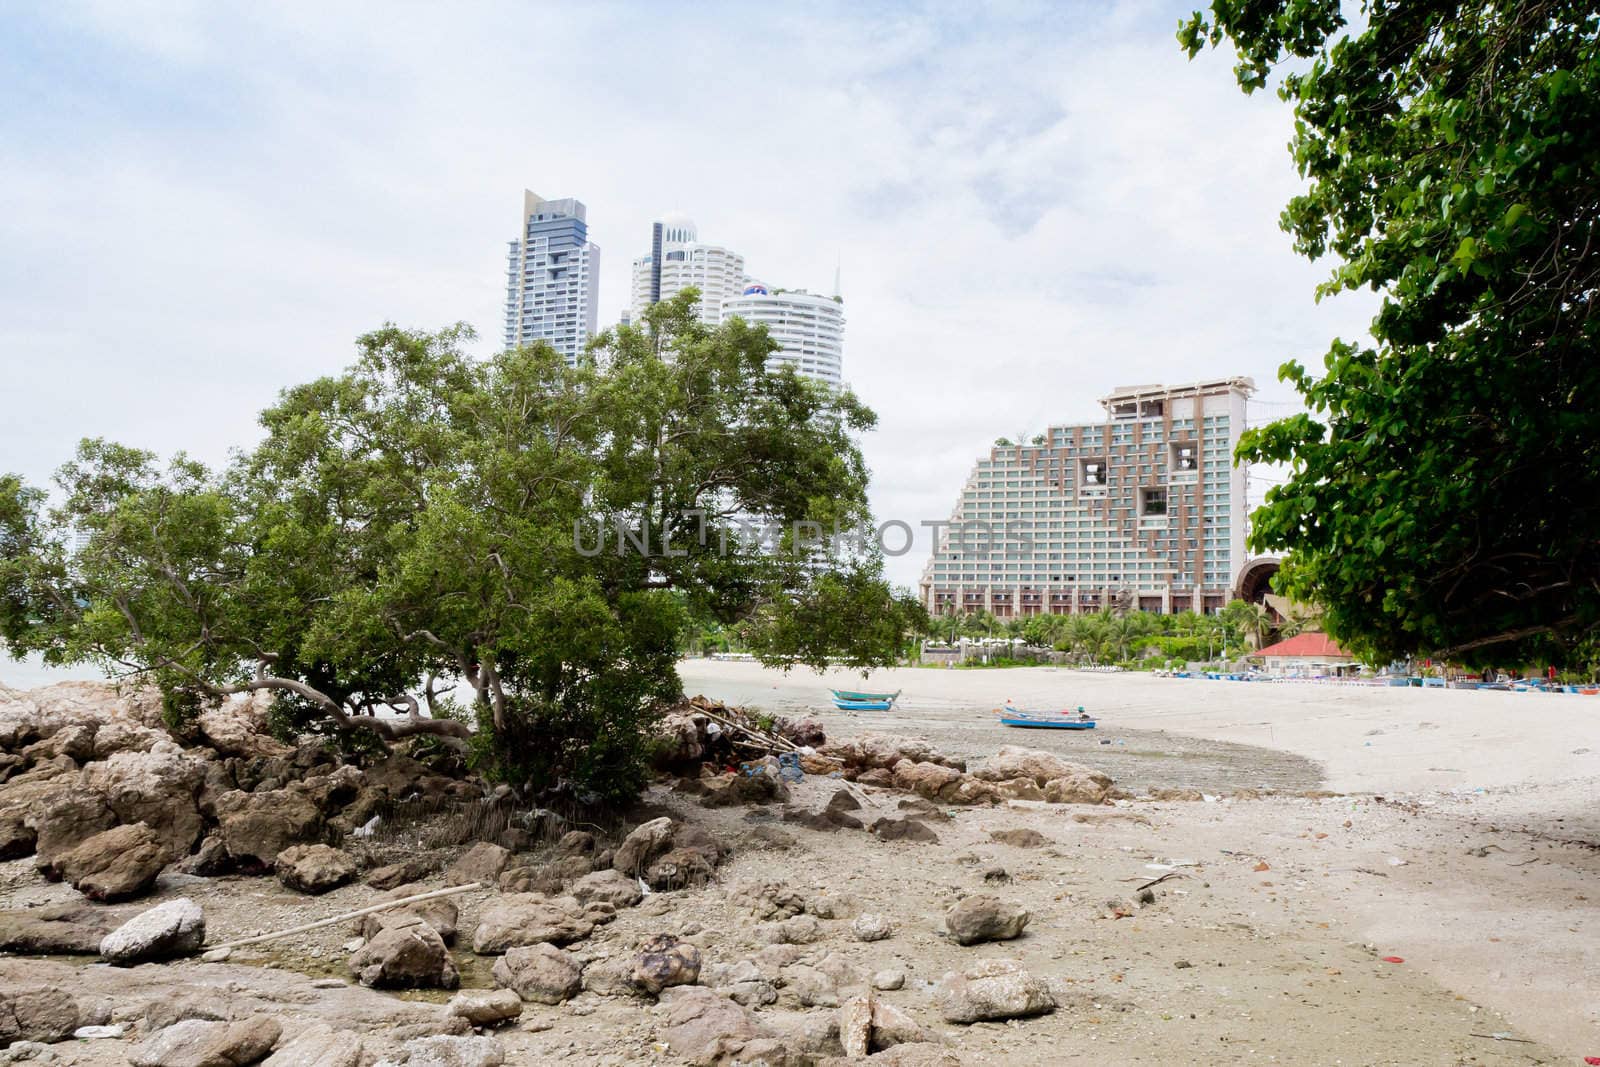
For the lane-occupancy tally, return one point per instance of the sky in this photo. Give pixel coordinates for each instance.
(1029, 204)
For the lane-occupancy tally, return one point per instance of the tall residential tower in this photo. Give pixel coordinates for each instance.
(678, 260)
(809, 329)
(552, 277)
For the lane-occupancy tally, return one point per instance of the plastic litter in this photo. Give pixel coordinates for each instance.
(366, 828)
(89, 1032)
(1394, 959)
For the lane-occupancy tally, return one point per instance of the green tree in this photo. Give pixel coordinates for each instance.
(541, 533)
(1441, 500)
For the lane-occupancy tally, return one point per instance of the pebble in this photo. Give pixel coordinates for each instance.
(328, 983)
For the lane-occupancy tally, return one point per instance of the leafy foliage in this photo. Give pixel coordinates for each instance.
(417, 524)
(1441, 499)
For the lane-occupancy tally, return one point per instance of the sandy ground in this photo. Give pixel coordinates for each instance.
(1473, 844)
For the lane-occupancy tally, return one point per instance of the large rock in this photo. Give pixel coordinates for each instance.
(665, 961)
(679, 868)
(609, 886)
(394, 875)
(991, 989)
(448, 1051)
(42, 1013)
(158, 788)
(482, 863)
(490, 1007)
(27, 717)
(899, 828)
(176, 928)
(240, 728)
(257, 826)
(529, 919)
(1019, 838)
(407, 956)
(115, 864)
(61, 929)
(550, 877)
(314, 868)
(66, 821)
(883, 751)
(925, 779)
(985, 918)
(207, 1043)
(1041, 768)
(440, 913)
(1085, 787)
(646, 843)
(704, 1027)
(540, 973)
(318, 1045)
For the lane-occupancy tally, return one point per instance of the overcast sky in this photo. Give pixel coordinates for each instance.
(1031, 203)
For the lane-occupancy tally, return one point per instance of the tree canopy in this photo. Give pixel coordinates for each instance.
(536, 533)
(1442, 496)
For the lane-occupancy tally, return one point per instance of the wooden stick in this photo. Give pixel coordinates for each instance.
(347, 916)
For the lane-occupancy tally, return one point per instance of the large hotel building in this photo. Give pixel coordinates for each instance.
(1143, 510)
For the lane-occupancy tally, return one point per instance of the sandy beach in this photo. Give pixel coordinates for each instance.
(1463, 833)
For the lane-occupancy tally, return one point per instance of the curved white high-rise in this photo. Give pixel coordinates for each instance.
(678, 260)
(809, 329)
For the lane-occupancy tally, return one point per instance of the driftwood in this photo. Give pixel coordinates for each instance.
(386, 905)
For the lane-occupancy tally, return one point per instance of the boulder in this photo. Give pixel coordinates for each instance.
(611, 977)
(115, 864)
(665, 961)
(985, 918)
(76, 742)
(679, 868)
(240, 728)
(704, 1027)
(879, 777)
(539, 973)
(991, 989)
(405, 956)
(482, 863)
(644, 845)
(489, 1007)
(899, 828)
(1018, 789)
(17, 837)
(393, 875)
(258, 826)
(440, 913)
(158, 788)
(176, 928)
(1019, 838)
(313, 869)
(318, 1045)
(1087, 787)
(550, 877)
(61, 929)
(742, 789)
(40, 1013)
(66, 821)
(1014, 761)
(529, 919)
(767, 900)
(855, 1025)
(206, 1043)
(610, 886)
(925, 779)
(871, 927)
(799, 930)
(448, 1051)
(883, 751)
(743, 981)
(972, 790)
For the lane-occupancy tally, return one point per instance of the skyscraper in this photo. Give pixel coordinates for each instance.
(809, 329)
(678, 260)
(552, 277)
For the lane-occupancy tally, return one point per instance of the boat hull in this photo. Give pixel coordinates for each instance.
(1047, 724)
(863, 705)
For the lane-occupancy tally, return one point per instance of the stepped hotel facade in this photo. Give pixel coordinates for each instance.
(1142, 510)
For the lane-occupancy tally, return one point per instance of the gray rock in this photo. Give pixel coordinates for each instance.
(539, 973)
(202, 1043)
(799, 930)
(69, 929)
(897, 828)
(1019, 838)
(701, 1025)
(643, 846)
(529, 919)
(258, 826)
(610, 978)
(486, 1007)
(43, 1013)
(454, 1052)
(985, 918)
(870, 927)
(411, 955)
(610, 886)
(889, 978)
(665, 961)
(482, 863)
(319, 1045)
(440, 913)
(314, 869)
(176, 928)
(991, 989)
(66, 822)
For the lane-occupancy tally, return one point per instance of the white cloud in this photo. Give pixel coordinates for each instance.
(1030, 205)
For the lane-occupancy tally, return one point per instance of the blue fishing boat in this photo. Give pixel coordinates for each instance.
(1043, 720)
(846, 700)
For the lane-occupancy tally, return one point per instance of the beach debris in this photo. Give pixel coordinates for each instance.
(1394, 959)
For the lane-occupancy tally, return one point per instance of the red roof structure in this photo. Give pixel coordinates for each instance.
(1315, 645)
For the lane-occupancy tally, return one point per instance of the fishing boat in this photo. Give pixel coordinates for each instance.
(1043, 720)
(848, 700)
